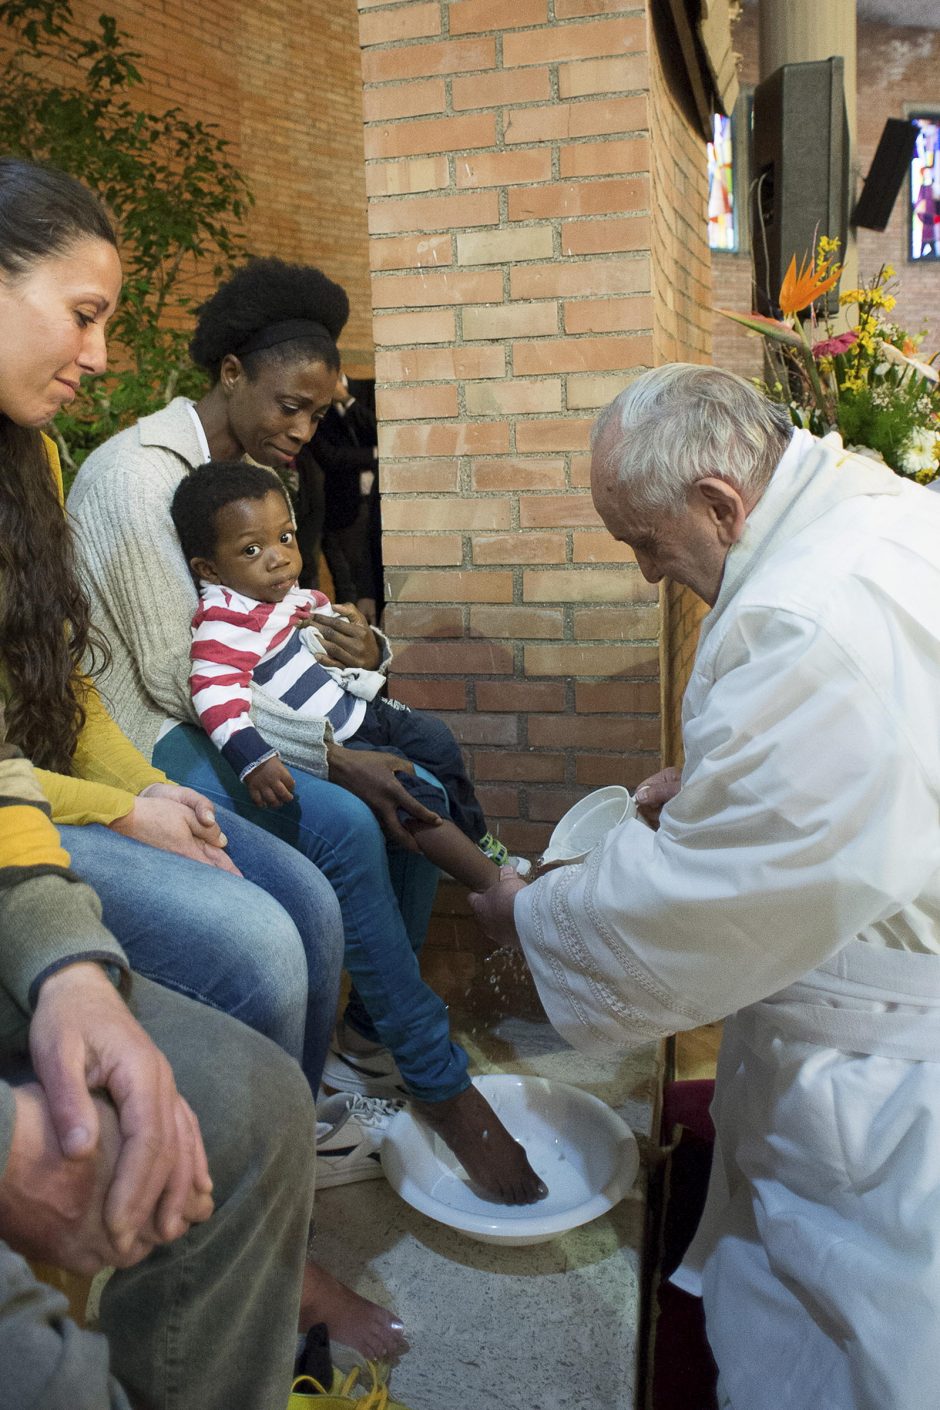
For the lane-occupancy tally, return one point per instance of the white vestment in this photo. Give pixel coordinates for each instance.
(795, 882)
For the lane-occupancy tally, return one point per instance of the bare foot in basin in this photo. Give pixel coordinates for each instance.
(496, 1163)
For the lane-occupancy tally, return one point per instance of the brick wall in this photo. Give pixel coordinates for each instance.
(514, 208)
(508, 177)
(897, 68)
(282, 82)
(682, 323)
(680, 257)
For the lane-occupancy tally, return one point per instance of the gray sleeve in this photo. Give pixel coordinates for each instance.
(134, 570)
(46, 921)
(7, 1118)
(48, 1362)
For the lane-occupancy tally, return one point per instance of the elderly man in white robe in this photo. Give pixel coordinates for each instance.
(792, 882)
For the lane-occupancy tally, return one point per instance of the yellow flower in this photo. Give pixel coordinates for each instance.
(800, 289)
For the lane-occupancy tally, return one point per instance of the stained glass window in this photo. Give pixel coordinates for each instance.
(925, 188)
(722, 221)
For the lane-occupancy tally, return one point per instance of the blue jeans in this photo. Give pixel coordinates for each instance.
(267, 949)
(385, 898)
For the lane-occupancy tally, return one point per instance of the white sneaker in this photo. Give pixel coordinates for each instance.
(350, 1132)
(357, 1067)
(499, 853)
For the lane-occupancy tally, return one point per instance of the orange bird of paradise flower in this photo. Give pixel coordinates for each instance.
(800, 289)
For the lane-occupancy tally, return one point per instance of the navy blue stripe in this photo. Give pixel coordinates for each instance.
(305, 688)
(244, 748)
(341, 711)
(263, 672)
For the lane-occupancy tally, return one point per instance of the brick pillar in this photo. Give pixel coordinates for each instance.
(682, 313)
(509, 172)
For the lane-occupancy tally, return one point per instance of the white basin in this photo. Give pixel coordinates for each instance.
(585, 1153)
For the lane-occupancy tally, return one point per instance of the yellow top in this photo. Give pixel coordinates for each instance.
(109, 771)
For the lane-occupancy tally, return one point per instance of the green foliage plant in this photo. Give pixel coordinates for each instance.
(68, 98)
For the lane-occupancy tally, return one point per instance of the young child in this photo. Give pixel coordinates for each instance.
(253, 627)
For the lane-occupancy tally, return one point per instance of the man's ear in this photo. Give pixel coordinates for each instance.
(204, 571)
(725, 507)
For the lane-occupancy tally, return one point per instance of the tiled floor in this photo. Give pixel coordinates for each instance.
(552, 1326)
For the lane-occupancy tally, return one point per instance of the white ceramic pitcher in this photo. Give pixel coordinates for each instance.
(588, 823)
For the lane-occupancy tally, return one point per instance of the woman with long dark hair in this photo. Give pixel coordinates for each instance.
(102, 1160)
(204, 903)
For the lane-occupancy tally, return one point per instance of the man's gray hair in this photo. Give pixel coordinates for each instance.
(683, 422)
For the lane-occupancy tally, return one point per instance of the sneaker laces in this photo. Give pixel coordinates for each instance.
(491, 847)
(374, 1111)
(375, 1398)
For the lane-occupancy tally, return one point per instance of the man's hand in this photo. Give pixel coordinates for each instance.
(270, 784)
(654, 793)
(371, 776)
(493, 909)
(51, 1208)
(348, 640)
(84, 1038)
(177, 819)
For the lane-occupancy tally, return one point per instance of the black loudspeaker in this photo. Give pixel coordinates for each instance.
(800, 170)
(890, 166)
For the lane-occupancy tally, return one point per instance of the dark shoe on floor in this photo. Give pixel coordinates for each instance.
(315, 1359)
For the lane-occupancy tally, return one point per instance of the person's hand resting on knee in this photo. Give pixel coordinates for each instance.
(106, 1159)
(372, 777)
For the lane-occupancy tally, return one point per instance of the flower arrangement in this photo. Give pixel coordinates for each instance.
(867, 383)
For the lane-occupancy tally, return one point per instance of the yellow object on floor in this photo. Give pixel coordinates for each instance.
(696, 1052)
(340, 1395)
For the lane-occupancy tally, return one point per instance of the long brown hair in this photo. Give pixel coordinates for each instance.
(45, 628)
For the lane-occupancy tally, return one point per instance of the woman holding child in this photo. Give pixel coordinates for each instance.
(268, 341)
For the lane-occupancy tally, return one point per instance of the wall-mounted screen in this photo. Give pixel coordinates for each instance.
(722, 222)
(925, 189)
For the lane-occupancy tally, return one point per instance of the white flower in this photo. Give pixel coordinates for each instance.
(868, 452)
(920, 451)
(894, 354)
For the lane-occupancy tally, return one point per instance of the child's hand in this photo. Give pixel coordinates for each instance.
(270, 784)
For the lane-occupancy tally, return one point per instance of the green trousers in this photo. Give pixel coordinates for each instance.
(208, 1322)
